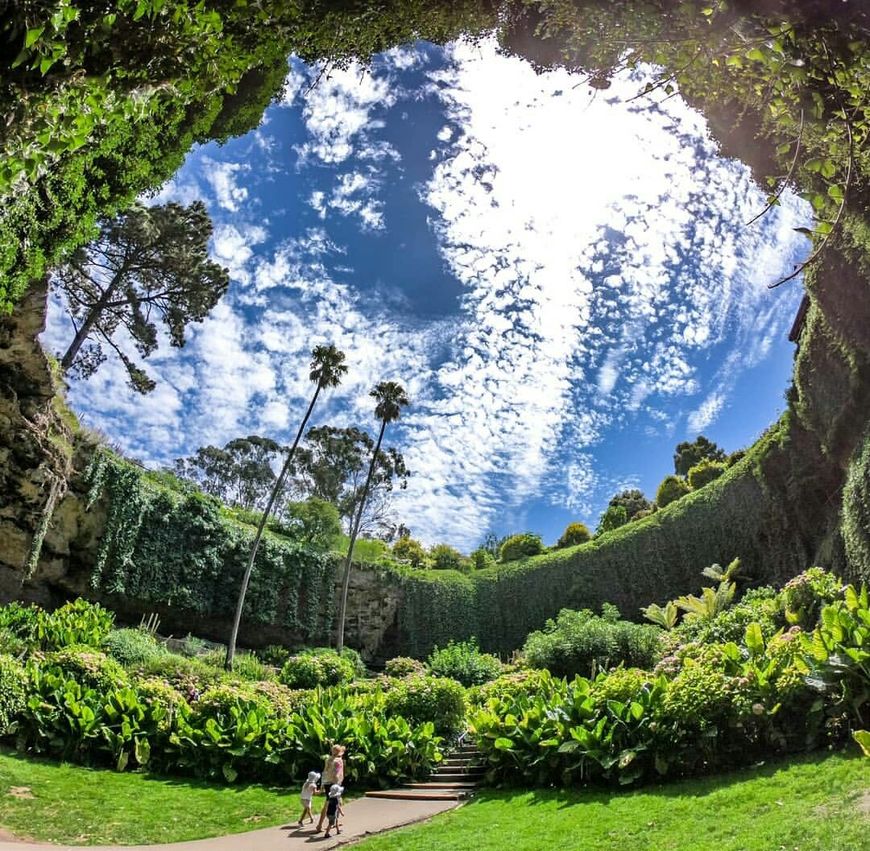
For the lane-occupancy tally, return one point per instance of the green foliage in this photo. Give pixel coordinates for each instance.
(575, 533)
(670, 490)
(804, 596)
(445, 557)
(436, 700)
(613, 517)
(664, 616)
(274, 654)
(78, 622)
(856, 512)
(246, 666)
(411, 551)
(692, 454)
(308, 670)
(708, 704)
(13, 693)
(705, 472)
(314, 522)
(132, 646)
(463, 662)
(760, 605)
(404, 666)
(481, 558)
(520, 546)
(580, 642)
(181, 550)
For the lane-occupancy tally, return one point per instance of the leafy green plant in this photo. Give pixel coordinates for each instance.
(13, 694)
(580, 642)
(805, 595)
(403, 666)
(464, 662)
(705, 472)
(436, 700)
(664, 616)
(132, 646)
(273, 654)
(308, 670)
(670, 490)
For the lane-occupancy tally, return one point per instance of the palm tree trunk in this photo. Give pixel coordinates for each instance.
(279, 484)
(342, 611)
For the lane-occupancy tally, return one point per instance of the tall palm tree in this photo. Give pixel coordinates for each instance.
(390, 398)
(327, 370)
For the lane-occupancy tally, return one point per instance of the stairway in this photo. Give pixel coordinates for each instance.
(455, 779)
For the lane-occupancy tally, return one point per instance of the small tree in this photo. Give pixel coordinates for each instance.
(575, 533)
(704, 473)
(445, 557)
(390, 398)
(410, 550)
(520, 546)
(670, 490)
(148, 263)
(327, 368)
(314, 522)
(614, 516)
(687, 454)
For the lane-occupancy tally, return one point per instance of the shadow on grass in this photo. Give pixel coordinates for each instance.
(685, 787)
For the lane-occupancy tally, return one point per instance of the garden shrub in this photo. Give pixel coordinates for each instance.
(21, 622)
(463, 662)
(91, 668)
(580, 642)
(310, 670)
(132, 646)
(187, 675)
(13, 694)
(403, 666)
(705, 472)
(439, 700)
(78, 622)
(246, 666)
(520, 546)
(409, 550)
(445, 557)
(670, 490)
(575, 533)
(759, 605)
(273, 654)
(803, 596)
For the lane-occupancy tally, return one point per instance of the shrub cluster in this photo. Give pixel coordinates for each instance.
(78, 622)
(708, 704)
(310, 670)
(132, 646)
(580, 642)
(439, 701)
(464, 662)
(403, 666)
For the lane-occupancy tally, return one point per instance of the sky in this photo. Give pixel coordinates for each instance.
(561, 277)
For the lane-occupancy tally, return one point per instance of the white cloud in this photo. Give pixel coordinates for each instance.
(223, 179)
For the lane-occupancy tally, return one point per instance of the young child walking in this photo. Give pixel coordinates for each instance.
(309, 789)
(333, 809)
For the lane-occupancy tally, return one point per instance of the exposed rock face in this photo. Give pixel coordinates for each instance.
(34, 453)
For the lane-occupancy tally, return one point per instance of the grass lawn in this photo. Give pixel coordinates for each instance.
(48, 801)
(819, 802)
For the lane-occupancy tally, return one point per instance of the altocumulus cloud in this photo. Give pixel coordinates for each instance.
(597, 247)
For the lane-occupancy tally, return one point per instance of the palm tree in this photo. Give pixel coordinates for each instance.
(391, 398)
(327, 370)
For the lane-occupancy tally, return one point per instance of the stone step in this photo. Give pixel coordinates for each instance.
(420, 794)
(459, 787)
(455, 777)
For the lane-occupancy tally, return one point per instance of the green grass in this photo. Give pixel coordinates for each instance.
(814, 803)
(83, 806)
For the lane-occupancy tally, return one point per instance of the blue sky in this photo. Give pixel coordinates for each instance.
(562, 278)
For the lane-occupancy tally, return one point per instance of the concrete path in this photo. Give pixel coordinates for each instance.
(362, 817)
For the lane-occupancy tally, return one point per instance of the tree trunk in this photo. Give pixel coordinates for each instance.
(82, 334)
(342, 611)
(279, 484)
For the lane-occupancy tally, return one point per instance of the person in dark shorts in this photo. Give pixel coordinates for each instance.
(333, 808)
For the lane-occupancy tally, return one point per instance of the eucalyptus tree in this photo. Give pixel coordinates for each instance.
(147, 263)
(327, 368)
(390, 398)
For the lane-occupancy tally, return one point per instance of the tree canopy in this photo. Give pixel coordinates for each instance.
(148, 264)
(689, 454)
(331, 464)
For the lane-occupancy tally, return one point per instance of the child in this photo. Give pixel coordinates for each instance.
(309, 788)
(333, 809)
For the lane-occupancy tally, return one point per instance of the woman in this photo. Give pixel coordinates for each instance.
(333, 773)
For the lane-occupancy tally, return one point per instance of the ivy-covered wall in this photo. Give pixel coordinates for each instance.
(179, 551)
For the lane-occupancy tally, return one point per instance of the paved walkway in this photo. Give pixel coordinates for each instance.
(363, 816)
